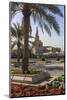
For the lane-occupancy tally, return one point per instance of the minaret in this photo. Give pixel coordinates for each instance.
(37, 36)
(38, 48)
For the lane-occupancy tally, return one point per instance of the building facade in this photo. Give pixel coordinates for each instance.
(39, 49)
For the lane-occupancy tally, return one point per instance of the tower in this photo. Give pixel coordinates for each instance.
(38, 45)
(37, 36)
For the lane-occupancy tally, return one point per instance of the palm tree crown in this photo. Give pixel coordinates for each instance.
(41, 13)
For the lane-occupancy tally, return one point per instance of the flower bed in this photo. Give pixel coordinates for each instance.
(48, 89)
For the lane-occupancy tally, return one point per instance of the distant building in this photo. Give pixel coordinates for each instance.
(39, 49)
(51, 49)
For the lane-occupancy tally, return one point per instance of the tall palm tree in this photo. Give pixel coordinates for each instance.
(44, 15)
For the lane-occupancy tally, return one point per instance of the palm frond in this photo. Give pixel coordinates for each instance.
(46, 27)
(34, 16)
(52, 20)
(13, 31)
(41, 14)
(13, 9)
(13, 45)
(41, 17)
(15, 26)
(54, 9)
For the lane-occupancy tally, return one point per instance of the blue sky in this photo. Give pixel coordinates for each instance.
(54, 40)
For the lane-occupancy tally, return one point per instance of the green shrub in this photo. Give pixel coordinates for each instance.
(19, 71)
(57, 83)
(34, 71)
(61, 79)
(16, 71)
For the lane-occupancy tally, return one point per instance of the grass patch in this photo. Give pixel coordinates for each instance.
(34, 71)
(19, 71)
(16, 71)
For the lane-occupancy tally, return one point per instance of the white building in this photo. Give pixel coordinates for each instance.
(39, 49)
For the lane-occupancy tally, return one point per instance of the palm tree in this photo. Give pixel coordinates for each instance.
(44, 15)
(17, 32)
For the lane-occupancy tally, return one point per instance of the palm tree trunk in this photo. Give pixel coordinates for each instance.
(26, 14)
(18, 53)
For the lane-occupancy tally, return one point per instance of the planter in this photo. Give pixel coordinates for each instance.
(35, 78)
(40, 77)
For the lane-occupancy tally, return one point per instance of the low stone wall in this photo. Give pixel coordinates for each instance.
(43, 76)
